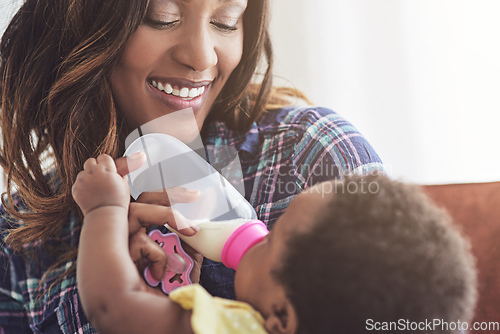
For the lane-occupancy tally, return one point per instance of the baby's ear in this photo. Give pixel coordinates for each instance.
(283, 318)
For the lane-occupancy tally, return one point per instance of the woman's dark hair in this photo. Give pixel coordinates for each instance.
(55, 63)
(239, 103)
(380, 250)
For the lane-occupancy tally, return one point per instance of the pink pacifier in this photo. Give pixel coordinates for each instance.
(179, 264)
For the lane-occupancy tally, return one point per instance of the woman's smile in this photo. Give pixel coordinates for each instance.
(179, 94)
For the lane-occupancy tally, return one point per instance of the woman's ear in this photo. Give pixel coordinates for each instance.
(283, 318)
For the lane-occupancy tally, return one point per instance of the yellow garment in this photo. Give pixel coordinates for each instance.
(213, 315)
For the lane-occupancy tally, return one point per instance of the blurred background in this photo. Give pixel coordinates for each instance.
(419, 78)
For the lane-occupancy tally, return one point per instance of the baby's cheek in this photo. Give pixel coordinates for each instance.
(240, 279)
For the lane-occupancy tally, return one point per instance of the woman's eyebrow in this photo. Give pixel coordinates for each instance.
(239, 3)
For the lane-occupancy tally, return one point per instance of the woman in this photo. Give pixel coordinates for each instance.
(77, 78)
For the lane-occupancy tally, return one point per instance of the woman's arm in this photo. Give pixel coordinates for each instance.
(113, 294)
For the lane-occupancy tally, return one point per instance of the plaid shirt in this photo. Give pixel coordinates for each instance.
(285, 152)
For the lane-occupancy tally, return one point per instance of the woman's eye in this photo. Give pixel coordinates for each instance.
(158, 24)
(224, 27)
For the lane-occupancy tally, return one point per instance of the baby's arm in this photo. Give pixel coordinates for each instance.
(112, 292)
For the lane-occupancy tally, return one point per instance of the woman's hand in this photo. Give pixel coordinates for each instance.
(153, 208)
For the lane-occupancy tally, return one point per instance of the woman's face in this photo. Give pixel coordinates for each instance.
(180, 56)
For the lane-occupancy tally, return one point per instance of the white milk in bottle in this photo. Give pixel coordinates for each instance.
(211, 237)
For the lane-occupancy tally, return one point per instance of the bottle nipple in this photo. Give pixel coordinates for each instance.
(244, 238)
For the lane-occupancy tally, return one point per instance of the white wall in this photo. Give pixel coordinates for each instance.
(419, 78)
(7, 10)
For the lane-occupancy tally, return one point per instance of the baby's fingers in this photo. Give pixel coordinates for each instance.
(103, 160)
(107, 162)
(144, 251)
(89, 163)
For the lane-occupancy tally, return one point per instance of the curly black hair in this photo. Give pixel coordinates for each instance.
(380, 255)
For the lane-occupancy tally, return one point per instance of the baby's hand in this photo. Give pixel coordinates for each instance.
(99, 184)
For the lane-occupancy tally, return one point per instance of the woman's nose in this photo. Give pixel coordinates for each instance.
(197, 50)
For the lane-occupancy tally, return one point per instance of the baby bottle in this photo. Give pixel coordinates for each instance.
(227, 222)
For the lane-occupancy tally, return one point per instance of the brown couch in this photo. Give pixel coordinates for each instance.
(476, 208)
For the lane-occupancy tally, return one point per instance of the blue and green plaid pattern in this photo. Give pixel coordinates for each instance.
(285, 152)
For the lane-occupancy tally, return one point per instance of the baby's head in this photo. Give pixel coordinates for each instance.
(355, 255)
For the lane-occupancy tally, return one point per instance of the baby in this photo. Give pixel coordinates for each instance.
(347, 256)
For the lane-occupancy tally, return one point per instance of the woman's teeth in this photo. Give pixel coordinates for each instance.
(183, 92)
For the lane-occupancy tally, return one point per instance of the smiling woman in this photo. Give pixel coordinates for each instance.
(162, 71)
(78, 76)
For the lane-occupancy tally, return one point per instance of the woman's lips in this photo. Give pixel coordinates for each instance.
(176, 102)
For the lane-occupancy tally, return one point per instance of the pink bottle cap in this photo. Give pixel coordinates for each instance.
(241, 240)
